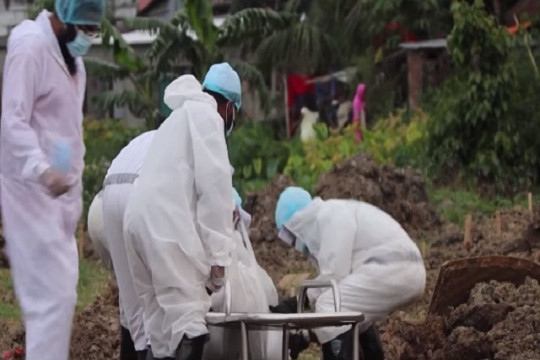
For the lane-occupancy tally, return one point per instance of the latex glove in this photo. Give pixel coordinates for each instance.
(298, 343)
(56, 182)
(217, 277)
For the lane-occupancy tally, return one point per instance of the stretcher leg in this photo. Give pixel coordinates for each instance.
(245, 341)
(285, 346)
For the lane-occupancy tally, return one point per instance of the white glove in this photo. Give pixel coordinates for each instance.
(56, 182)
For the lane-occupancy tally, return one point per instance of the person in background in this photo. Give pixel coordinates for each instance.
(359, 113)
(178, 225)
(376, 264)
(42, 160)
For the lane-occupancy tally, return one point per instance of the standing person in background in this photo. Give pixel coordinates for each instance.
(42, 160)
(178, 226)
(359, 113)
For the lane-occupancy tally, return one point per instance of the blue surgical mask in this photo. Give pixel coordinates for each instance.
(80, 45)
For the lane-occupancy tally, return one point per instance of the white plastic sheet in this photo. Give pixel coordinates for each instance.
(252, 292)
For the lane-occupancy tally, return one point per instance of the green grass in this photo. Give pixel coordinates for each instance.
(93, 278)
(454, 204)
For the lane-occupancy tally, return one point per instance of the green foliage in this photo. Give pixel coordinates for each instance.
(310, 160)
(257, 155)
(35, 8)
(93, 279)
(174, 45)
(424, 18)
(103, 140)
(455, 203)
(399, 139)
(476, 125)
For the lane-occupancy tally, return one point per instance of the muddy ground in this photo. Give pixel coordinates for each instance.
(487, 326)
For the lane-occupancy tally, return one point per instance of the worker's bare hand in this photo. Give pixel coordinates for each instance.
(56, 182)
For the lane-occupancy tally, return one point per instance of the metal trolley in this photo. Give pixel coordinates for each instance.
(287, 322)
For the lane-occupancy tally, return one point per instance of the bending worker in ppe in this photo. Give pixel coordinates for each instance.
(377, 266)
(42, 160)
(178, 223)
(117, 188)
(253, 291)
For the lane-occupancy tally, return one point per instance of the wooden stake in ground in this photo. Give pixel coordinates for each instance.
(81, 238)
(498, 224)
(467, 239)
(531, 212)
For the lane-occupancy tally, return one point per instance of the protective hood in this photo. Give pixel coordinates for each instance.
(303, 225)
(183, 89)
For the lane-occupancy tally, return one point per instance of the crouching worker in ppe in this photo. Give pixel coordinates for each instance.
(377, 266)
(42, 157)
(178, 226)
(252, 292)
(111, 202)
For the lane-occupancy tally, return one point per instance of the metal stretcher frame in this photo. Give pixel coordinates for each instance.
(287, 322)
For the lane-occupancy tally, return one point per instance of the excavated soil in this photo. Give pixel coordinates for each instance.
(499, 321)
(96, 330)
(400, 192)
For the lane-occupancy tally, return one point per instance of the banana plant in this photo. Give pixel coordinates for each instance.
(189, 35)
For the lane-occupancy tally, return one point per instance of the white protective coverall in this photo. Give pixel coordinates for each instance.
(178, 220)
(117, 188)
(252, 291)
(377, 266)
(41, 109)
(96, 232)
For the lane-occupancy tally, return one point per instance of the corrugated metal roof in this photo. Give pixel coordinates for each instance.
(425, 44)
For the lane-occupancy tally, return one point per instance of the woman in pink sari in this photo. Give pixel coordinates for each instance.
(359, 114)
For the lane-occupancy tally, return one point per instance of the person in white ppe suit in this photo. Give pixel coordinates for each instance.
(117, 188)
(376, 264)
(178, 224)
(42, 160)
(252, 291)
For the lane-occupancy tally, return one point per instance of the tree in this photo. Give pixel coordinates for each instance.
(484, 119)
(190, 35)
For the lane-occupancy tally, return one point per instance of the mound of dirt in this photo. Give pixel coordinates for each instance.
(96, 330)
(262, 206)
(518, 237)
(499, 321)
(400, 192)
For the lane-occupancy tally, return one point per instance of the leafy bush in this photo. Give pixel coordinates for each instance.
(480, 124)
(257, 155)
(103, 140)
(399, 139)
(309, 160)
